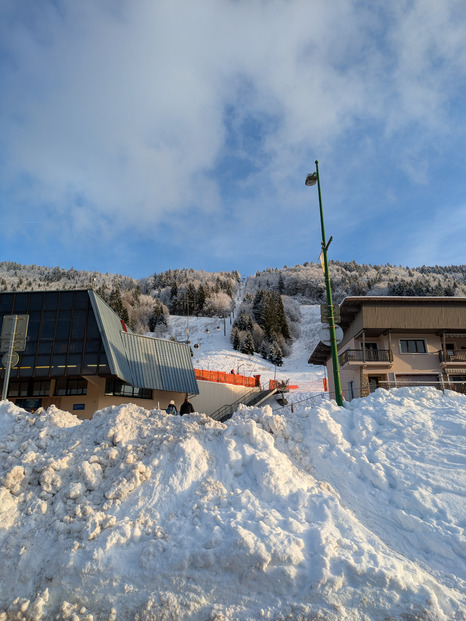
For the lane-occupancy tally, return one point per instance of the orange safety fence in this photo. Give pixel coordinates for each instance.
(280, 384)
(227, 378)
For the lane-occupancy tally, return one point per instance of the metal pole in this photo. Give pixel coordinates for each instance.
(331, 317)
(6, 379)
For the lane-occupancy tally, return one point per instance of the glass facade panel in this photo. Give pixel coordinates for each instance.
(103, 363)
(21, 305)
(35, 302)
(42, 366)
(60, 348)
(62, 332)
(27, 361)
(59, 365)
(62, 329)
(26, 366)
(74, 364)
(66, 300)
(78, 325)
(51, 300)
(44, 347)
(31, 347)
(92, 328)
(48, 325)
(6, 303)
(76, 346)
(81, 299)
(90, 364)
(33, 327)
(92, 346)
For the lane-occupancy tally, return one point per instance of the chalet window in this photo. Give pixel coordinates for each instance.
(413, 346)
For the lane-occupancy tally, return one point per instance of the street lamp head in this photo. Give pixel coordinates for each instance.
(311, 179)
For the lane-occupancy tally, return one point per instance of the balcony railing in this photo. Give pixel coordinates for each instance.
(388, 385)
(452, 355)
(369, 355)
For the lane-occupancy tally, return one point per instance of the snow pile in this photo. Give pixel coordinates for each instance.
(327, 512)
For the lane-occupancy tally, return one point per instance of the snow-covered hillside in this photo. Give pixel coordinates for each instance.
(322, 513)
(210, 341)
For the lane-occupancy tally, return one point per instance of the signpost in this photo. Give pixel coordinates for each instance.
(12, 339)
(325, 313)
(325, 334)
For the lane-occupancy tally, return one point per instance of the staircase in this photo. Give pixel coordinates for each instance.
(251, 397)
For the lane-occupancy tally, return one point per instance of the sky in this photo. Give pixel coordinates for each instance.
(354, 512)
(141, 136)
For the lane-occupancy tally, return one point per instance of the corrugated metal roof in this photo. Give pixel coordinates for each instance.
(110, 329)
(143, 361)
(176, 366)
(159, 364)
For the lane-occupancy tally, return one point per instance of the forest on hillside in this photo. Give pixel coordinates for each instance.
(267, 312)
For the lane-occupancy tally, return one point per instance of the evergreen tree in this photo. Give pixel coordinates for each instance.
(115, 302)
(200, 298)
(174, 302)
(264, 350)
(281, 284)
(244, 322)
(190, 299)
(247, 346)
(282, 322)
(275, 354)
(235, 339)
(158, 316)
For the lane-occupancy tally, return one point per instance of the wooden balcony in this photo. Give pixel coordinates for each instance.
(453, 355)
(372, 357)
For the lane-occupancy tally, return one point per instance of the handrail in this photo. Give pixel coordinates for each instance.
(251, 397)
(452, 355)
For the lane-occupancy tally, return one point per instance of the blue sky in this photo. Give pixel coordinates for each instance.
(141, 136)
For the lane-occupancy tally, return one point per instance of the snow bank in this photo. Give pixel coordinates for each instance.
(334, 513)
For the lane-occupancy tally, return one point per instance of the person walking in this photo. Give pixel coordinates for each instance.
(172, 408)
(186, 407)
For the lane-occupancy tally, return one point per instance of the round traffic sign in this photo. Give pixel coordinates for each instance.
(14, 359)
(324, 334)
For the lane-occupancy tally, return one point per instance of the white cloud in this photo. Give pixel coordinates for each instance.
(118, 111)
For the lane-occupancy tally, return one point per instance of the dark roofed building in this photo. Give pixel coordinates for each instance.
(81, 356)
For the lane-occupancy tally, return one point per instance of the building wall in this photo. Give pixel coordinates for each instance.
(84, 406)
(403, 364)
(213, 395)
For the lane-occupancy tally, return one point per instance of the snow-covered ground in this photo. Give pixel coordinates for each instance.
(321, 513)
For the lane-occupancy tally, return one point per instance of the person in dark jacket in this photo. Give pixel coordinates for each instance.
(186, 407)
(171, 408)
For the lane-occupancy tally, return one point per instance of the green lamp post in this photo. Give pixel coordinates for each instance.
(312, 179)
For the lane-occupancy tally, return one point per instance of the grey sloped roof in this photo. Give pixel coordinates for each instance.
(143, 361)
(160, 364)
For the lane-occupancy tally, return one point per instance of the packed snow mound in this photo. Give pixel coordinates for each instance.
(326, 512)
